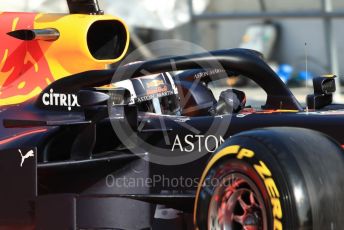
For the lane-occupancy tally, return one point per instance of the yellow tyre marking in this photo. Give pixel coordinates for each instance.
(233, 149)
(270, 185)
(263, 171)
(245, 153)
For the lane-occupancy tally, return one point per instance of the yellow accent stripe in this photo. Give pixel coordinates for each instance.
(21, 85)
(287, 110)
(3, 60)
(47, 81)
(4, 75)
(14, 23)
(20, 98)
(233, 149)
(29, 58)
(328, 75)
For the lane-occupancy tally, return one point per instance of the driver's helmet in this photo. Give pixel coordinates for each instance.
(155, 93)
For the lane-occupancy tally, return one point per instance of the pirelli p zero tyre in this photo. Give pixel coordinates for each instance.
(273, 178)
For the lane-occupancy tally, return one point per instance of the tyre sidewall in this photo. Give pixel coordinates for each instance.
(263, 169)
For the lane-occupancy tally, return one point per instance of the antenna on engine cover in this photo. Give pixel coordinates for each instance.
(306, 63)
(84, 7)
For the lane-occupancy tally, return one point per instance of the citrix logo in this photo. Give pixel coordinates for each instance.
(59, 99)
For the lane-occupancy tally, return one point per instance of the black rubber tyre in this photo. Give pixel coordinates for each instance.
(273, 178)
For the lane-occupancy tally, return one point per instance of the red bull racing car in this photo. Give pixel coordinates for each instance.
(147, 145)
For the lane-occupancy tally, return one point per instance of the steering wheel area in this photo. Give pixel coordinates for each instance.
(197, 99)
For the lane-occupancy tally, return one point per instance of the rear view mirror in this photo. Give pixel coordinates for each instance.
(324, 86)
(119, 96)
(89, 98)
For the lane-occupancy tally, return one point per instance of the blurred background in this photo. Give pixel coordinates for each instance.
(284, 31)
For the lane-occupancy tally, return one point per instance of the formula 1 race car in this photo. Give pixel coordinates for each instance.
(147, 145)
